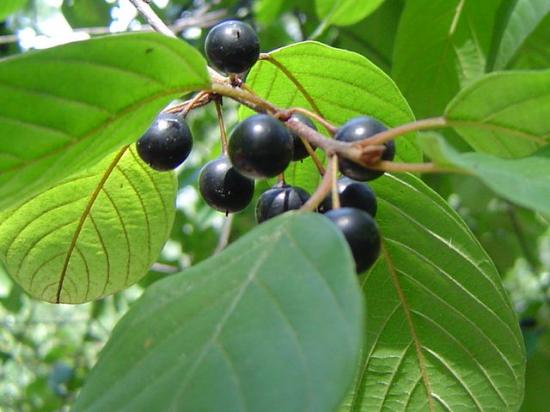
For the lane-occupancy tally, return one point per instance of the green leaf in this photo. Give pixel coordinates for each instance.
(64, 108)
(87, 13)
(345, 12)
(246, 330)
(441, 332)
(91, 235)
(524, 181)
(440, 47)
(504, 114)
(535, 52)
(374, 36)
(521, 18)
(336, 84)
(8, 7)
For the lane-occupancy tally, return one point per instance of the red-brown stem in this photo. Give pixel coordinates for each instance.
(396, 167)
(326, 124)
(390, 134)
(321, 192)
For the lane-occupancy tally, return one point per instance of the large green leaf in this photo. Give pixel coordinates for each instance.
(440, 47)
(64, 108)
(335, 83)
(345, 12)
(441, 333)
(505, 113)
(91, 235)
(520, 19)
(525, 181)
(8, 7)
(274, 323)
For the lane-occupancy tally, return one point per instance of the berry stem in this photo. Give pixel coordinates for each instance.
(223, 135)
(326, 124)
(390, 134)
(199, 100)
(152, 18)
(334, 179)
(388, 166)
(321, 192)
(313, 156)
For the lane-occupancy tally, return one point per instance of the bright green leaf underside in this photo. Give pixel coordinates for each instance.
(525, 181)
(8, 7)
(274, 323)
(335, 83)
(64, 108)
(93, 234)
(505, 113)
(440, 328)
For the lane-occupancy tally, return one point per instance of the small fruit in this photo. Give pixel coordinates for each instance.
(260, 146)
(223, 188)
(300, 151)
(352, 194)
(232, 46)
(167, 142)
(279, 199)
(361, 233)
(361, 128)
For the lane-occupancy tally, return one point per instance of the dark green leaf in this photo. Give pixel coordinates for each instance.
(441, 333)
(520, 20)
(440, 47)
(274, 323)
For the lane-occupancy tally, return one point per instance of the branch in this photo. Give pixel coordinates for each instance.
(152, 18)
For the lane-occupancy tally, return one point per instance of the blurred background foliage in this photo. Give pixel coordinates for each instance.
(47, 350)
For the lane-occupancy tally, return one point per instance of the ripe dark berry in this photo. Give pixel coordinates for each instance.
(223, 188)
(361, 233)
(278, 200)
(260, 146)
(300, 151)
(361, 128)
(167, 142)
(352, 194)
(232, 46)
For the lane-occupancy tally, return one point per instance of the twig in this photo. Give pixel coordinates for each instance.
(326, 124)
(321, 192)
(224, 234)
(387, 166)
(223, 135)
(334, 183)
(152, 18)
(390, 134)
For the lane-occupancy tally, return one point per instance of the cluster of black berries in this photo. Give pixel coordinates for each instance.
(262, 147)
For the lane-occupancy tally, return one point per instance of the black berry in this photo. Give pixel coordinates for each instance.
(167, 142)
(352, 194)
(361, 233)
(361, 128)
(260, 146)
(278, 200)
(300, 151)
(223, 188)
(232, 46)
